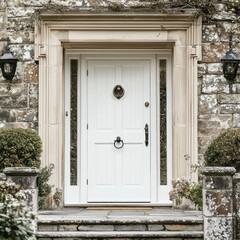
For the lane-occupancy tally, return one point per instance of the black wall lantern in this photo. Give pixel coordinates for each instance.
(8, 64)
(230, 63)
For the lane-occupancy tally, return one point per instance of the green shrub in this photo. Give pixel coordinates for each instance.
(19, 148)
(44, 188)
(224, 150)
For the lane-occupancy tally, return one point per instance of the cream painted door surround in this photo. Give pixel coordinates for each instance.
(180, 34)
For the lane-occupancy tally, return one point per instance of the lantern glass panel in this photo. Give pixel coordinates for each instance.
(7, 68)
(231, 67)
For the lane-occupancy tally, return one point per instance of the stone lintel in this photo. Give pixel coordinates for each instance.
(213, 171)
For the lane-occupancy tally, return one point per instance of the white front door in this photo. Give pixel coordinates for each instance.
(119, 173)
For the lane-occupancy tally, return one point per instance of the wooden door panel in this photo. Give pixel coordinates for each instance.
(118, 175)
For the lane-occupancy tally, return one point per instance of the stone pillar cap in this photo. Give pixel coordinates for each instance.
(27, 171)
(218, 170)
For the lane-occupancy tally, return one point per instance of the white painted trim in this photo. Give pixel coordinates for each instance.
(159, 194)
(84, 135)
(118, 55)
(163, 190)
(71, 193)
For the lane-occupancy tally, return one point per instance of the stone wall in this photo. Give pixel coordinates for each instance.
(18, 106)
(219, 100)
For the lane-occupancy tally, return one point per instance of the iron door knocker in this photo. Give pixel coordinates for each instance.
(118, 140)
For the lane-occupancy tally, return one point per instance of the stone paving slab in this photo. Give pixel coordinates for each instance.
(121, 216)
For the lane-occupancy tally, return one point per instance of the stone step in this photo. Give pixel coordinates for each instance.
(70, 235)
(103, 225)
(127, 225)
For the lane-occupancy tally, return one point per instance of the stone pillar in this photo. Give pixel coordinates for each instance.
(236, 204)
(27, 178)
(218, 203)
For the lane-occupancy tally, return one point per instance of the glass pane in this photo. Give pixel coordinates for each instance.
(163, 123)
(73, 122)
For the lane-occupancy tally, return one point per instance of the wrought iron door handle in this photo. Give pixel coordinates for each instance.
(118, 140)
(146, 135)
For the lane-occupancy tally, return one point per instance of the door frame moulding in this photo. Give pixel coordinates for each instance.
(181, 32)
(114, 55)
(80, 192)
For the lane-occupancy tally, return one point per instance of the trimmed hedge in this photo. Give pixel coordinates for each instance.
(19, 148)
(224, 150)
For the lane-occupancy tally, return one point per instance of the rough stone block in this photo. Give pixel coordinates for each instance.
(236, 182)
(155, 227)
(236, 204)
(218, 228)
(236, 120)
(20, 12)
(16, 101)
(2, 177)
(208, 104)
(212, 52)
(217, 182)
(236, 194)
(237, 228)
(212, 123)
(31, 73)
(236, 88)
(47, 227)
(78, 3)
(210, 34)
(130, 227)
(214, 84)
(217, 203)
(229, 108)
(28, 182)
(29, 115)
(175, 227)
(8, 116)
(33, 95)
(3, 5)
(95, 228)
(24, 52)
(68, 227)
(202, 69)
(229, 98)
(215, 68)
(183, 227)
(21, 24)
(31, 3)
(20, 37)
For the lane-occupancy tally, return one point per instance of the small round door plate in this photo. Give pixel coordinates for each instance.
(118, 91)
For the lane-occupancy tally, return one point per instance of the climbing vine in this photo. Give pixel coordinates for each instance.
(206, 8)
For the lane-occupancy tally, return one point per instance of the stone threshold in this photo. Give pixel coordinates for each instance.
(120, 220)
(125, 234)
(155, 215)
